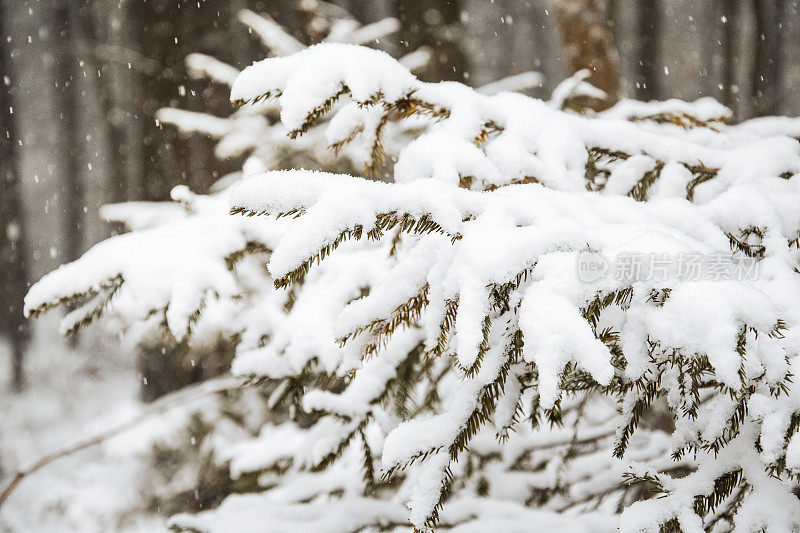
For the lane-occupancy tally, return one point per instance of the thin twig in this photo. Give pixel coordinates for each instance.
(166, 403)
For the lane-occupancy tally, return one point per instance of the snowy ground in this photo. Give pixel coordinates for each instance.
(71, 395)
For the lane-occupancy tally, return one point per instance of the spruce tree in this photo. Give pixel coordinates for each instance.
(436, 346)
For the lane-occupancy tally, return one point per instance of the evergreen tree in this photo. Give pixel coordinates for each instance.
(430, 349)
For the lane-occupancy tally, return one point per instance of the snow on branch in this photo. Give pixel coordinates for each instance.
(499, 290)
(203, 66)
(482, 141)
(137, 274)
(549, 317)
(432, 336)
(271, 33)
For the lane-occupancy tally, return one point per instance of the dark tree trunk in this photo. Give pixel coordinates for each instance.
(94, 28)
(779, 23)
(435, 24)
(13, 283)
(124, 93)
(168, 32)
(73, 37)
(765, 76)
(541, 49)
(33, 35)
(507, 54)
(727, 19)
(647, 63)
(156, 20)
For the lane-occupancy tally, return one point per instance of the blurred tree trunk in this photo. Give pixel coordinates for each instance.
(239, 43)
(588, 43)
(167, 33)
(70, 70)
(541, 48)
(109, 183)
(13, 284)
(708, 52)
(779, 23)
(507, 53)
(158, 43)
(436, 24)
(727, 18)
(32, 33)
(765, 78)
(648, 50)
(123, 81)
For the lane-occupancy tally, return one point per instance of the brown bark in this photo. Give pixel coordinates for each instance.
(588, 44)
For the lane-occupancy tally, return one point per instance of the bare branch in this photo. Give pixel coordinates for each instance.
(177, 399)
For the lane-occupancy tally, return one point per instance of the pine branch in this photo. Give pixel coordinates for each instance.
(272, 94)
(741, 244)
(639, 191)
(643, 399)
(701, 174)
(594, 175)
(488, 129)
(91, 311)
(319, 111)
(723, 487)
(110, 285)
(250, 248)
(336, 147)
(377, 152)
(483, 347)
(681, 119)
(381, 330)
(368, 464)
(450, 312)
(383, 222)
